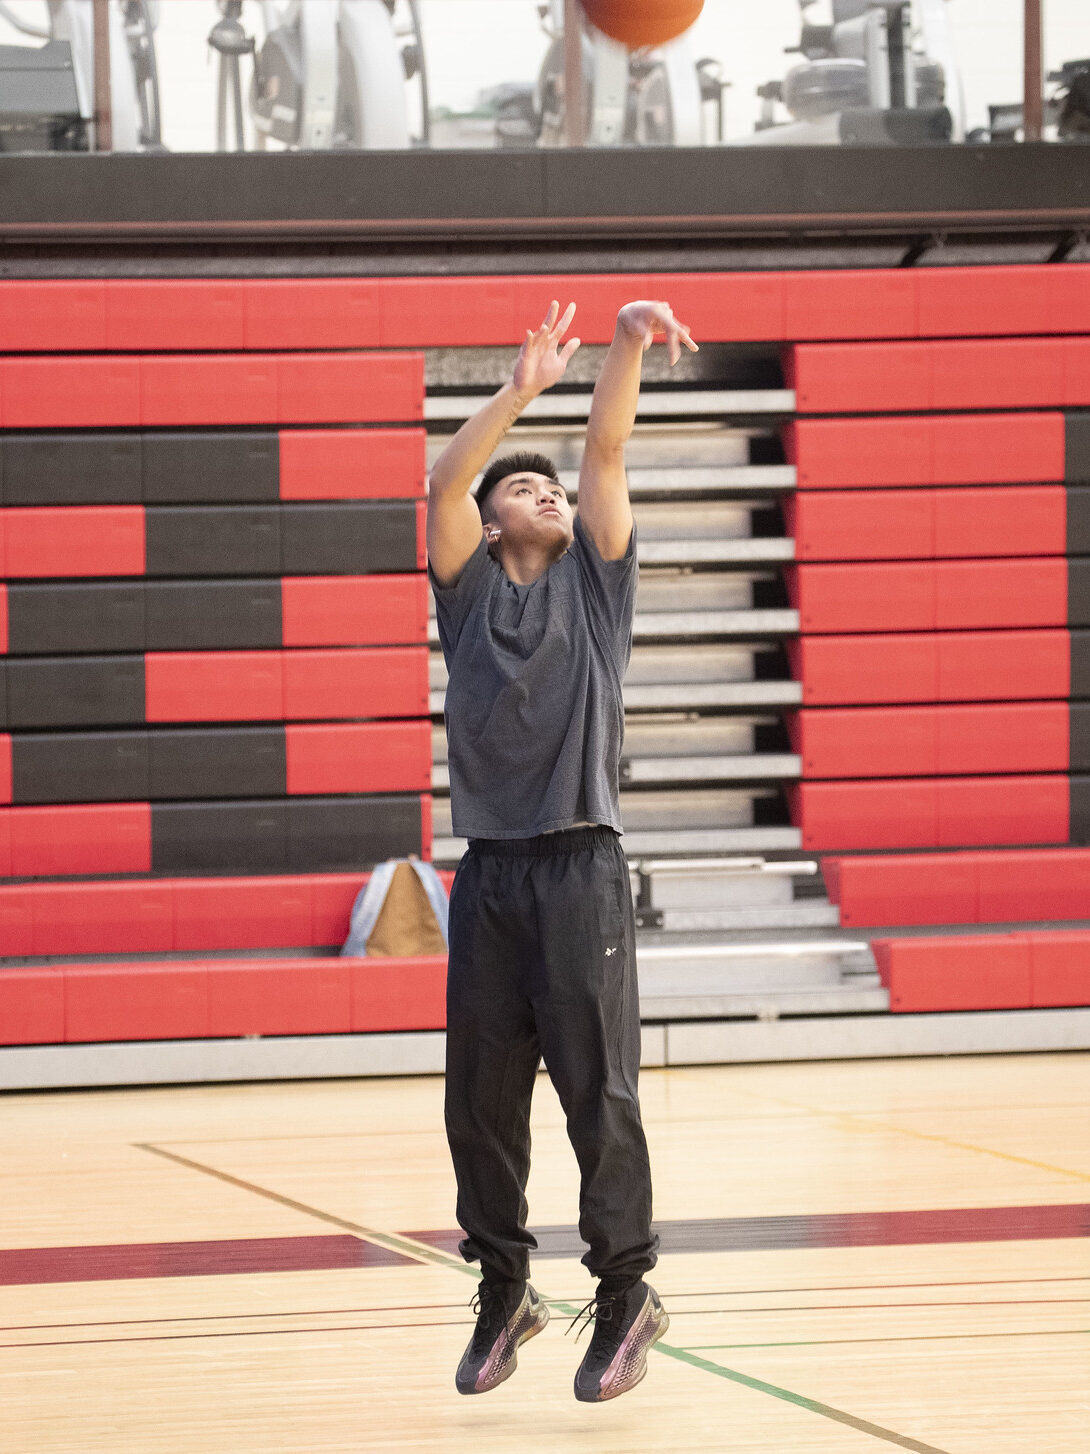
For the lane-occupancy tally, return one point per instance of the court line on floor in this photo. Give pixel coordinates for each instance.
(675, 1297)
(899, 1338)
(869, 1124)
(405, 1245)
(460, 1322)
(680, 1355)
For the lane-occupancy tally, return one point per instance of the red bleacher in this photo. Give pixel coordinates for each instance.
(939, 654)
(986, 887)
(1026, 971)
(182, 1000)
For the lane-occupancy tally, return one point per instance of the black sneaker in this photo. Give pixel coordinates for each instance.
(626, 1324)
(506, 1316)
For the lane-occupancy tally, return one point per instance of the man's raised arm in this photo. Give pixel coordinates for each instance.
(454, 522)
(604, 506)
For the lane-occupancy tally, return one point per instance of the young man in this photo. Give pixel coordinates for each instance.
(535, 617)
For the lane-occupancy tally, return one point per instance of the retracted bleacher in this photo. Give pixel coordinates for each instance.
(215, 679)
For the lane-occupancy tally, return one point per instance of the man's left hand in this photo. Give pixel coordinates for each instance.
(646, 320)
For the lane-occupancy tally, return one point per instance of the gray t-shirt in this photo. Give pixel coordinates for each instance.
(534, 714)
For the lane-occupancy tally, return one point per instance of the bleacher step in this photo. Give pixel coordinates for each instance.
(447, 850)
(654, 404)
(807, 914)
(760, 1004)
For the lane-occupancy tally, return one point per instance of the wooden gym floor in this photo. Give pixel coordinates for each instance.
(857, 1256)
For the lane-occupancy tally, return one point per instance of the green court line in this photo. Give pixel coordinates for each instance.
(826, 1411)
(904, 1338)
(685, 1355)
(421, 1253)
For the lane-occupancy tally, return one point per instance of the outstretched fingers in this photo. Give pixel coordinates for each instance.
(568, 350)
(565, 323)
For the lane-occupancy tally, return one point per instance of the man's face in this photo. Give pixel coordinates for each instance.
(529, 509)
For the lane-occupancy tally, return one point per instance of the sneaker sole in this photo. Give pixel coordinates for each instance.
(662, 1322)
(512, 1362)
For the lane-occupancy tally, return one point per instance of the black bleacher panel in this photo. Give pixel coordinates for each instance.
(225, 762)
(75, 691)
(212, 615)
(301, 834)
(333, 834)
(1078, 751)
(218, 540)
(86, 616)
(198, 837)
(103, 616)
(340, 538)
(182, 466)
(349, 538)
(84, 767)
(1079, 824)
(1078, 520)
(1080, 664)
(1078, 591)
(1077, 447)
(63, 468)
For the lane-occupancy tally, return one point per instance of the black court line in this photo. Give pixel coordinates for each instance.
(836, 1229)
(675, 1297)
(464, 1323)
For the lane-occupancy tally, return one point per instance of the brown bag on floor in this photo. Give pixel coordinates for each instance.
(406, 922)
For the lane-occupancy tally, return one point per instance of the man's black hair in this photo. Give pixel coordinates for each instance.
(522, 462)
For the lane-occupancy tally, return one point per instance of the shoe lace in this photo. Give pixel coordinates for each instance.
(488, 1306)
(602, 1311)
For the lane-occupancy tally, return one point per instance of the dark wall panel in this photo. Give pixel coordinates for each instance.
(1080, 809)
(221, 540)
(222, 465)
(1080, 736)
(1078, 591)
(207, 837)
(1077, 447)
(212, 615)
(92, 616)
(350, 538)
(303, 834)
(239, 762)
(348, 833)
(75, 692)
(72, 469)
(1078, 520)
(87, 767)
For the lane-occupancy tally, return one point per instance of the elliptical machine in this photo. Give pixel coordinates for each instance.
(631, 98)
(64, 75)
(329, 74)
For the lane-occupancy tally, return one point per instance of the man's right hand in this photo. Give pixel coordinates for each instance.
(541, 361)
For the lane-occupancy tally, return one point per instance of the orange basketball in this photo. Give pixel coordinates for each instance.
(638, 23)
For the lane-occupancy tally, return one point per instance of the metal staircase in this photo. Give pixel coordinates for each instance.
(732, 923)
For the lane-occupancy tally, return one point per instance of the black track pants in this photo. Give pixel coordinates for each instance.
(543, 964)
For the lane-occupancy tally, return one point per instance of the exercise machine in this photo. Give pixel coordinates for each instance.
(61, 74)
(869, 76)
(631, 98)
(328, 74)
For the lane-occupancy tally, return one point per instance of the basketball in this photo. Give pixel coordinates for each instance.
(639, 23)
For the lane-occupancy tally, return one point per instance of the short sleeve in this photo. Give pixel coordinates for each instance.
(454, 603)
(610, 584)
